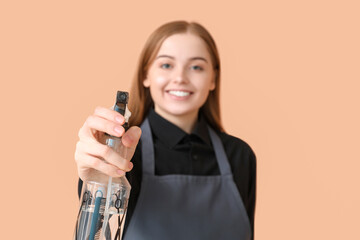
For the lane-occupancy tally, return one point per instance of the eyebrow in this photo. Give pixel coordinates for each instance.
(193, 58)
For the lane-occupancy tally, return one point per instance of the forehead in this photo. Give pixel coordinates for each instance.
(184, 45)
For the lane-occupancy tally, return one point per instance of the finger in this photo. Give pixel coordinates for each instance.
(130, 139)
(109, 114)
(97, 123)
(90, 162)
(105, 152)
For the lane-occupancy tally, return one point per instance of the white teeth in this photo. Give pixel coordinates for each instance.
(179, 93)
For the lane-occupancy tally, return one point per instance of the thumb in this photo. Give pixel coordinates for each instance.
(131, 137)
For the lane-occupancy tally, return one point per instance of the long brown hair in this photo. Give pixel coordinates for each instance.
(140, 98)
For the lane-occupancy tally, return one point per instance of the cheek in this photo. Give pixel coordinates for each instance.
(204, 82)
(157, 81)
(157, 86)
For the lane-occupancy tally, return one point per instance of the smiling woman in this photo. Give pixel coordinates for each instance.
(190, 179)
(180, 79)
(164, 46)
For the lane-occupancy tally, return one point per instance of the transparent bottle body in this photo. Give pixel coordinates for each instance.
(103, 202)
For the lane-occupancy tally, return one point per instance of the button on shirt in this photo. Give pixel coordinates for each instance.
(177, 152)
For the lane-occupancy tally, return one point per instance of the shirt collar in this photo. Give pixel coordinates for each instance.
(171, 134)
(201, 130)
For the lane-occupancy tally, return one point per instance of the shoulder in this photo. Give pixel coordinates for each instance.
(234, 143)
(237, 150)
(242, 161)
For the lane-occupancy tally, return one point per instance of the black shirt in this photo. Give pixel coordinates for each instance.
(177, 152)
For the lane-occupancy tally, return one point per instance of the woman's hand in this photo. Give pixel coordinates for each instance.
(90, 153)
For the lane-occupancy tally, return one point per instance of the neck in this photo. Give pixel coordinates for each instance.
(185, 122)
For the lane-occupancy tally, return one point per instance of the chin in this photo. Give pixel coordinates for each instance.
(181, 112)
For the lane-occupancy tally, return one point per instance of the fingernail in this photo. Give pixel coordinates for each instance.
(120, 172)
(130, 165)
(119, 119)
(118, 129)
(138, 132)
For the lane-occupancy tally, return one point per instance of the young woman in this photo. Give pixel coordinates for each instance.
(195, 181)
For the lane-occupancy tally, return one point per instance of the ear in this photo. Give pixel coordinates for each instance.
(146, 82)
(212, 85)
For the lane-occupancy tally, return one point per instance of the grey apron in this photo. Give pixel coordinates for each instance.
(172, 207)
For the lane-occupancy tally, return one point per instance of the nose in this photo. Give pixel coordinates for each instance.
(180, 75)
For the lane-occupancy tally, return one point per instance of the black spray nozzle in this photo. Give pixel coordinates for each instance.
(122, 99)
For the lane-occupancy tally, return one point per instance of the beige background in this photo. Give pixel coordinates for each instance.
(290, 89)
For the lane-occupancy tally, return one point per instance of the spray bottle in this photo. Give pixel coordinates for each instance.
(104, 200)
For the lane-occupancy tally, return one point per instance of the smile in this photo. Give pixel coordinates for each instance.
(179, 93)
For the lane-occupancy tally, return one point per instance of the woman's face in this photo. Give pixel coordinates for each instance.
(181, 76)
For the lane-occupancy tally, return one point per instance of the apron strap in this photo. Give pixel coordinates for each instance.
(147, 149)
(221, 157)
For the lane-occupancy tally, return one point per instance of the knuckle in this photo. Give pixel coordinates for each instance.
(81, 132)
(90, 120)
(97, 110)
(78, 146)
(76, 156)
(82, 147)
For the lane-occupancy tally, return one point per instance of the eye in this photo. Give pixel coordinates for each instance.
(165, 66)
(196, 67)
